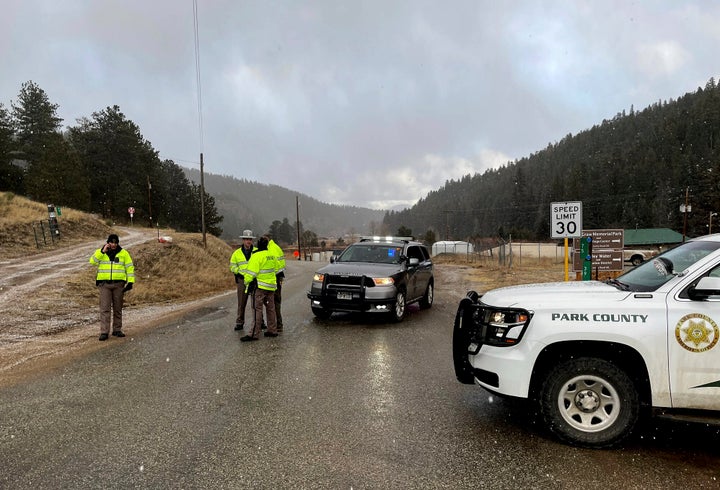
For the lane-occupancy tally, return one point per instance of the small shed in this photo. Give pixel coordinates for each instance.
(451, 247)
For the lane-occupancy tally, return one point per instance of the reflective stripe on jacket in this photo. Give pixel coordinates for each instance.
(261, 266)
(238, 262)
(121, 269)
(275, 249)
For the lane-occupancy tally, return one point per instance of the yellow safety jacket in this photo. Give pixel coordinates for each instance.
(119, 269)
(261, 266)
(238, 262)
(275, 249)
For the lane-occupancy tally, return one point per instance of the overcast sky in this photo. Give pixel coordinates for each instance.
(369, 103)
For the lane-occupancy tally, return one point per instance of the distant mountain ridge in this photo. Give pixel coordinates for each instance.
(636, 170)
(251, 205)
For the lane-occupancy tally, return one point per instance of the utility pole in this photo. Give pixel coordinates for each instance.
(685, 209)
(297, 213)
(149, 201)
(447, 225)
(202, 200)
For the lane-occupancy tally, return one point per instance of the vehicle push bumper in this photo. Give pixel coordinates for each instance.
(497, 369)
(354, 295)
(463, 332)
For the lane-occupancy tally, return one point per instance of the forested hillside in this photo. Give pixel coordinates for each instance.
(632, 171)
(252, 205)
(102, 165)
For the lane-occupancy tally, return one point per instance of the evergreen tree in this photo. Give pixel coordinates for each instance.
(120, 162)
(286, 233)
(404, 231)
(57, 176)
(11, 176)
(34, 118)
(212, 218)
(281, 231)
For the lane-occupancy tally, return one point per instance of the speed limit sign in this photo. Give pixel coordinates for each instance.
(566, 219)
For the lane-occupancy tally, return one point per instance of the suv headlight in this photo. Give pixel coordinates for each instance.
(318, 277)
(383, 281)
(504, 327)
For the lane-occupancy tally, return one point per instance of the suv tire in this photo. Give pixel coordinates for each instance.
(427, 300)
(589, 402)
(398, 311)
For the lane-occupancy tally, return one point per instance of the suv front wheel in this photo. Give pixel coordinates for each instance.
(398, 311)
(589, 402)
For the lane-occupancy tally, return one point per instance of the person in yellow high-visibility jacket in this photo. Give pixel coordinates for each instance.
(115, 276)
(261, 268)
(238, 266)
(275, 249)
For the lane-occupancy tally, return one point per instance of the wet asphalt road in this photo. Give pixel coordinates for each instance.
(350, 402)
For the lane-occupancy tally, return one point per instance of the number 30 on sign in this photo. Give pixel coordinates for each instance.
(566, 219)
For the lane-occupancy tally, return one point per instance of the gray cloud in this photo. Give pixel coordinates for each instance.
(365, 103)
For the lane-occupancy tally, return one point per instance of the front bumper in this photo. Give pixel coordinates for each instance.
(363, 300)
(502, 370)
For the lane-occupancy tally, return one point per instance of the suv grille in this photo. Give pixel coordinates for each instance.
(344, 280)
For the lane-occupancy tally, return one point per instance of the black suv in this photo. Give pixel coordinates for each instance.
(375, 275)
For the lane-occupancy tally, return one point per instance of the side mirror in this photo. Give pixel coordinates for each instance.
(706, 287)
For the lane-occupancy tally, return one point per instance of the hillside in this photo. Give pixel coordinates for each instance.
(204, 271)
(22, 223)
(633, 171)
(48, 295)
(244, 204)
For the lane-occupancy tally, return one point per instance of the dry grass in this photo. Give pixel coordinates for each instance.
(20, 231)
(180, 271)
(486, 274)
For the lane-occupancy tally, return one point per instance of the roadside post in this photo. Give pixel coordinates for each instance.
(566, 222)
(53, 223)
(586, 256)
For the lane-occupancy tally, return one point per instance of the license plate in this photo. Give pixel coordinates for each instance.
(344, 295)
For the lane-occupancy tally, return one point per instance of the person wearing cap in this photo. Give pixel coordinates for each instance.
(238, 266)
(115, 276)
(261, 268)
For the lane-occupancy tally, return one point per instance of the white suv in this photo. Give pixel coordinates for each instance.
(596, 356)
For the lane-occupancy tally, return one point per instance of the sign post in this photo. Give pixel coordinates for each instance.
(131, 211)
(566, 222)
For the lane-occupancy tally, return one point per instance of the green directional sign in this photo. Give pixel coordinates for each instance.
(586, 257)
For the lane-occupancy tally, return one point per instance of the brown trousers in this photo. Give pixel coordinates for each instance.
(242, 297)
(111, 296)
(265, 298)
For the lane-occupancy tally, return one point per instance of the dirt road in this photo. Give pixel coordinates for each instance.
(41, 323)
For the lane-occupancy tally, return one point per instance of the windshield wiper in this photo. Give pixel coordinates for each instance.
(618, 284)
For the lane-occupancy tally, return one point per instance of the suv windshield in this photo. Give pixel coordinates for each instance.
(652, 274)
(372, 252)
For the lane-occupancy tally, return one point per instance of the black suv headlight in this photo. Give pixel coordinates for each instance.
(502, 327)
